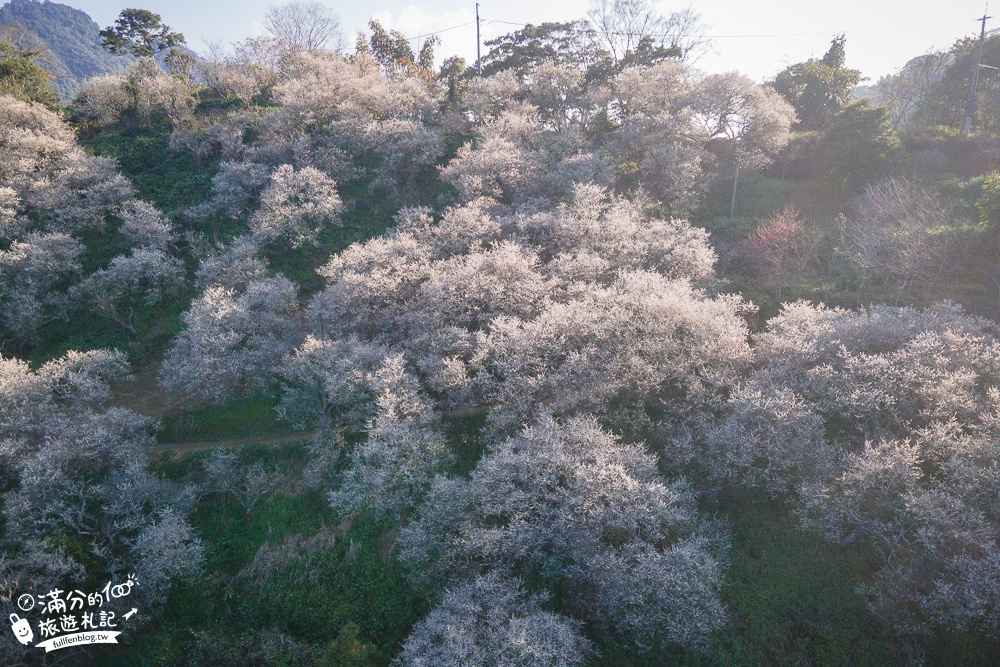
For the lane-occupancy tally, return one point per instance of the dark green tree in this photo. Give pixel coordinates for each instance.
(818, 88)
(572, 44)
(648, 52)
(390, 48)
(22, 78)
(139, 32)
(425, 59)
(859, 147)
(454, 75)
(945, 102)
(392, 51)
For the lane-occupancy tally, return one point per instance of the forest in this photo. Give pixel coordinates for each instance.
(357, 354)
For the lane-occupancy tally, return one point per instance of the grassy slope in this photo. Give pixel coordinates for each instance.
(791, 596)
(166, 178)
(172, 181)
(971, 247)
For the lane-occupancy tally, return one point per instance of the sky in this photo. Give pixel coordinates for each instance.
(756, 38)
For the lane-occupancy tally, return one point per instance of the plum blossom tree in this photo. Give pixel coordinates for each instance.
(405, 448)
(303, 26)
(296, 206)
(937, 535)
(491, 621)
(29, 270)
(337, 114)
(232, 266)
(497, 167)
(750, 122)
(78, 499)
(101, 100)
(460, 295)
(145, 90)
(489, 96)
(879, 425)
(907, 92)
(248, 483)
(233, 341)
(369, 286)
(331, 382)
(12, 223)
(145, 276)
(53, 178)
(682, 348)
(770, 439)
(620, 232)
(892, 234)
(235, 187)
(146, 227)
(655, 130)
(780, 248)
(519, 161)
(251, 70)
(167, 550)
(568, 500)
(883, 371)
(69, 385)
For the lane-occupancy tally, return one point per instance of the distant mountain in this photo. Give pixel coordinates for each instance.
(71, 37)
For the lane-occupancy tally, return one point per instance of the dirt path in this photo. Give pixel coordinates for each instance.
(142, 393)
(266, 440)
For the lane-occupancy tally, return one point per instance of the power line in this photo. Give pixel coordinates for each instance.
(438, 32)
(619, 34)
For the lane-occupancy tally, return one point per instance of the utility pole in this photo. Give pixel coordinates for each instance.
(479, 59)
(970, 105)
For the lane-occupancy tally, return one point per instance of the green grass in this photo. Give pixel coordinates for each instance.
(760, 196)
(245, 417)
(465, 439)
(792, 597)
(791, 601)
(354, 582)
(170, 179)
(88, 330)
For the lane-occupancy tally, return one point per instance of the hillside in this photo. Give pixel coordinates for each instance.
(70, 35)
(311, 359)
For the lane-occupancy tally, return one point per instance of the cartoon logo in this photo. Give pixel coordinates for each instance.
(22, 629)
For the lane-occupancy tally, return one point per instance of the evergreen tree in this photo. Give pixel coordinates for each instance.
(139, 32)
(22, 78)
(818, 89)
